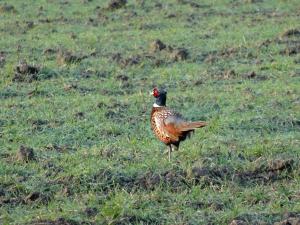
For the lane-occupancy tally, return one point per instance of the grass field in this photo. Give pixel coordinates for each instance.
(75, 140)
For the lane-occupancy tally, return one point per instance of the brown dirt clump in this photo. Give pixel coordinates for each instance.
(179, 54)
(289, 221)
(25, 72)
(59, 221)
(291, 39)
(252, 1)
(198, 82)
(230, 51)
(229, 74)
(253, 75)
(90, 212)
(116, 57)
(211, 59)
(206, 176)
(133, 60)
(151, 180)
(124, 62)
(30, 24)
(66, 191)
(68, 87)
(280, 164)
(101, 105)
(25, 154)
(116, 4)
(171, 15)
(67, 57)
(291, 32)
(58, 148)
(265, 43)
(122, 77)
(272, 171)
(156, 45)
(2, 59)
(11, 201)
(289, 218)
(191, 3)
(174, 178)
(291, 50)
(109, 152)
(250, 75)
(24, 68)
(264, 173)
(238, 222)
(213, 56)
(79, 115)
(256, 218)
(158, 62)
(38, 124)
(7, 8)
(50, 51)
(32, 197)
(215, 206)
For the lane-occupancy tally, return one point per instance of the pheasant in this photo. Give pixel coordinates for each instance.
(169, 126)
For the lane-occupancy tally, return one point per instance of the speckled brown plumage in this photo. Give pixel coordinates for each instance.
(158, 115)
(169, 126)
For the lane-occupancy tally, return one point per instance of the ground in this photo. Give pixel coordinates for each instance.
(75, 140)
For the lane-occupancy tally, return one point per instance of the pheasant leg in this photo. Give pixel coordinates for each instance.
(170, 151)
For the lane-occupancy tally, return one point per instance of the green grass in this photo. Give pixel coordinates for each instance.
(90, 129)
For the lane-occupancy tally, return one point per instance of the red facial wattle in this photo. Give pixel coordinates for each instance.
(155, 92)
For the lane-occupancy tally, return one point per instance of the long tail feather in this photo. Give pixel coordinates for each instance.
(192, 125)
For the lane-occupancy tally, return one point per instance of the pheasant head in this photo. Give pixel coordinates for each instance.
(160, 97)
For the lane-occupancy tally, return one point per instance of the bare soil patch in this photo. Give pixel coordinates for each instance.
(290, 33)
(116, 4)
(25, 154)
(59, 148)
(25, 72)
(59, 221)
(289, 218)
(67, 57)
(32, 197)
(50, 51)
(179, 54)
(156, 45)
(7, 8)
(79, 115)
(253, 75)
(125, 62)
(214, 205)
(174, 53)
(91, 211)
(38, 124)
(289, 221)
(275, 170)
(291, 50)
(2, 58)
(122, 77)
(150, 180)
(192, 4)
(209, 176)
(216, 55)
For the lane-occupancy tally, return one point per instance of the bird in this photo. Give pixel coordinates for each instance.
(168, 125)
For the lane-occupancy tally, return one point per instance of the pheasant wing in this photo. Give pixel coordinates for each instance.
(172, 126)
(176, 126)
